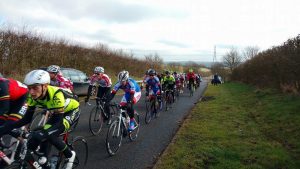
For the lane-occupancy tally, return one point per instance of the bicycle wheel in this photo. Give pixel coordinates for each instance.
(167, 102)
(96, 120)
(14, 165)
(148, 115)
(80, 146)
(114, 137)
(134, 133)
(158, 107)
(38, 120)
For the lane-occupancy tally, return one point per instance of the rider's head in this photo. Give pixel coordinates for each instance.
(152, 73)
(99, 70)
(37, 82)
(123, 77)
(167, 73)
(53, 70)
(191, 70)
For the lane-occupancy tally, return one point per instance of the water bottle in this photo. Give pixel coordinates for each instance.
(42, 160)
(53, 162)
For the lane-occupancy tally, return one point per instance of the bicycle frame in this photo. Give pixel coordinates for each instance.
(11, 159)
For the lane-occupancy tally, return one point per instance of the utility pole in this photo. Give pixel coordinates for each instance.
(215, 55)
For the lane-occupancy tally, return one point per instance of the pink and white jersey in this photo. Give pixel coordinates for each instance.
(103, 81)
(62, 82)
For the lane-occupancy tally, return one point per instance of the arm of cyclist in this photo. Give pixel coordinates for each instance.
(9, 125)
(4, 98)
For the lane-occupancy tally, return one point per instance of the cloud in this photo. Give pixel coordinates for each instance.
(173, 43)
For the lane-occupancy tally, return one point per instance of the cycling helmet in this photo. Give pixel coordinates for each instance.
(175, 73)
(37, 77)
(99, 69)
(53, 69)
(151, 72)
(123, 76)
(167, 72)
(190, 70)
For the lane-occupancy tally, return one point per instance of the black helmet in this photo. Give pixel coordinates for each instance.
(167, 72)
(151, 72)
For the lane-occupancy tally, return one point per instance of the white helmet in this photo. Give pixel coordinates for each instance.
(123, 75)
(53, 69)
(37, 77)
(99, 69)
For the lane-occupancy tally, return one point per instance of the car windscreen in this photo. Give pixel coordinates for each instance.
(74, 75)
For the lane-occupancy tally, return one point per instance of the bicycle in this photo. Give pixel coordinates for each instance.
(40, 119)
(97, 116)
(56, 161)
(191, 88)
(10, 153)
(153, 107)
(177, 92)
(168, 99)
(119, 129)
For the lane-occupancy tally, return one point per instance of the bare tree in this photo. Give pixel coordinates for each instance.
(250, 51)
(232, 59)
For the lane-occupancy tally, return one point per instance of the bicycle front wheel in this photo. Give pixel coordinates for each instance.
(134, 133)
(39, 120)
(80, 146)
(148, 115)
(96, 120)
(114, 137)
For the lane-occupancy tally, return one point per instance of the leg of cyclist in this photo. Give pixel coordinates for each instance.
(89, 93)
(104, 92)
(50, 132)
(132, 99)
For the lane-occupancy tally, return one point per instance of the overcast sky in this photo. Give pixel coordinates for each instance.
(175, 29)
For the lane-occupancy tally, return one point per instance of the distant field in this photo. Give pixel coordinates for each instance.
(237, 126)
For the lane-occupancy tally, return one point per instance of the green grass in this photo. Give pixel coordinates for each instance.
(241, 128)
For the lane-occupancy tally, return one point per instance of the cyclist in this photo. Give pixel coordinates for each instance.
(177, 81)
(168, 82)
(191, 78)
(104, 88)
(146, 76)
(13, 105)
(153, 82)
(182, 81)
(56, 78)
(132, 94)
(64, 112)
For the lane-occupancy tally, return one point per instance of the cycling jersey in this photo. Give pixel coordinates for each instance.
(104, 81)
(130, 87)
(191, 76)
(132, 91)
(154, 84)
(62, 82)
(12, 99)
(54, 99)
(168, 80)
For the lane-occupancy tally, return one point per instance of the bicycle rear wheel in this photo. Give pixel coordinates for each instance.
(96, 120)
(114, 137)
(134, 133)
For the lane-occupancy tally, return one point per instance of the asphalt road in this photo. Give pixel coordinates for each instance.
(152, 140)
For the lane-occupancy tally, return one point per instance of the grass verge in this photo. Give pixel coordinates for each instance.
(238, 127)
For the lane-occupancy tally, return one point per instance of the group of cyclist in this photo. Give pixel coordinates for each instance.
(51, 91)
(18, 103)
